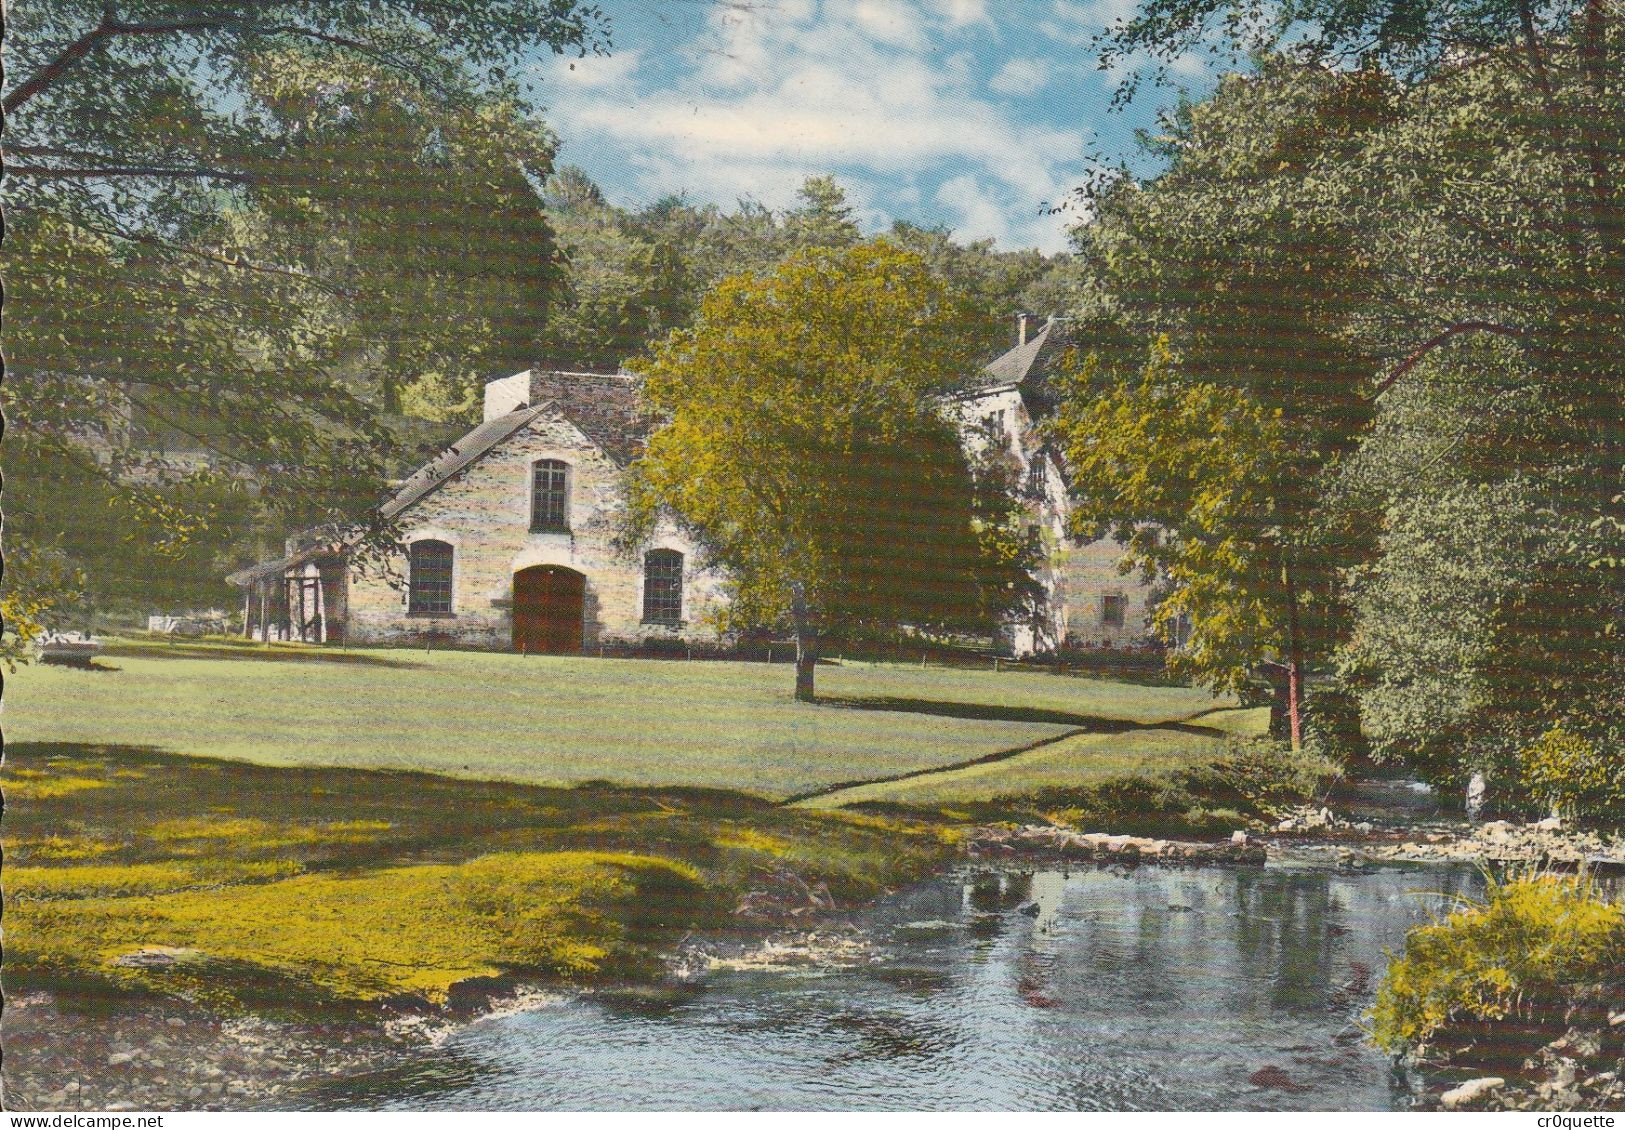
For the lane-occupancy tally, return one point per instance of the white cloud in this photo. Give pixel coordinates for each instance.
(891, 22)
(992, 211)
(1021, 76)
(877, 91)
(980, 211)
(959, 14)
(598, 72)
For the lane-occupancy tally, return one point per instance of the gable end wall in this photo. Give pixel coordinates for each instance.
(485, 513)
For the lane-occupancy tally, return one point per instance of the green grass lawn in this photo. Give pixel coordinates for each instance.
(294, 827)
(563, 721)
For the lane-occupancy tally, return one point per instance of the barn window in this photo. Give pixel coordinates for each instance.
(1112, 608)
(549, 495)
(429, 581)
(663, 586)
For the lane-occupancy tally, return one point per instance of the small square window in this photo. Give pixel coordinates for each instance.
(1112, 608)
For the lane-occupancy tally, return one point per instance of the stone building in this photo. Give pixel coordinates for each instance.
(1090, 605)
(511, 534)
(510, 541)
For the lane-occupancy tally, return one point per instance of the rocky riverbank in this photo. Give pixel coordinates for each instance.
(1049, 839)
(1581, 1070)
(1541, 843)
(65, 1054)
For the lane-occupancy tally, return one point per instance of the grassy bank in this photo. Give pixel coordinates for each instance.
(1073, 761)
(255, 886)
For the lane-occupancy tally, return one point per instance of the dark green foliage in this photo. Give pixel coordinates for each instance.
(1332, 721)
(635, 275)
(1572, 776)
(219, 215)
(1418, 271)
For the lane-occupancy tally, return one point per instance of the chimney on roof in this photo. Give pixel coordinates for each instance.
(507, 394)
(1027, 327)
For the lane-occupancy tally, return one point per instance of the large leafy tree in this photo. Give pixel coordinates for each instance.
(1000, 282)
(805, 448)
(1501, 301)
(1241, 271)
(219, 214)
(1517, 102)
(1466, 230)
(627, 277)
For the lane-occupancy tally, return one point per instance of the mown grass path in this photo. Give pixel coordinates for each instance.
(1078, 757)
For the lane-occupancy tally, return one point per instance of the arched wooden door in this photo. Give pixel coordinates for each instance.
(547, 610)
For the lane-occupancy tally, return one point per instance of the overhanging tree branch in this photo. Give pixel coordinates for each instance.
(1433, 343)
(53, 70)
(111, 27)
(226, 259)
(115, 172)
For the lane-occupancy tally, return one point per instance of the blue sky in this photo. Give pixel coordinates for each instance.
(968, 113)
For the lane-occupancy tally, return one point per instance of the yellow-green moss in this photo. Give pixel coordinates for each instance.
(751, 840)
(31, 784)
(264, 833)
(359, 884)
(104, 880)
(64, 848)
(416, 930)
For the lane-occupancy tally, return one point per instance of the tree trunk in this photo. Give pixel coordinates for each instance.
(806, 643)
(1608, 222)
(1294, 661)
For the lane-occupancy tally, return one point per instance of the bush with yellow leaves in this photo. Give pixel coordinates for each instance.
(1532, 947)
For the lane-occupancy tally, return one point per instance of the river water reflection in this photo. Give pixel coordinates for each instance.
(1136, 989)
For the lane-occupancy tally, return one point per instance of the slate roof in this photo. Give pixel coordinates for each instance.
(456, 457)
(269, 570)
(605, 407)
(1024, 366)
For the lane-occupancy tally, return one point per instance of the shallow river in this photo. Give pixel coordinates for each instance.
(1099, 989)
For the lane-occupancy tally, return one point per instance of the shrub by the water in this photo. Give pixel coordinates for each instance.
(1251, 784)
(1332, 721)
(1533, 948)
(1572, 775)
